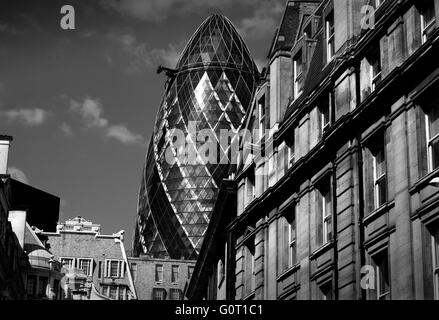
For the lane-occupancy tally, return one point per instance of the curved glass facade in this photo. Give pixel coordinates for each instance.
(212, 89)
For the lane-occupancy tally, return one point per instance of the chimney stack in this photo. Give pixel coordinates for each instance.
(5, 141)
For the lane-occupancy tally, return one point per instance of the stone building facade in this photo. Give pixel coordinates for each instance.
(95, 265)
(342, 202)
(160, 279)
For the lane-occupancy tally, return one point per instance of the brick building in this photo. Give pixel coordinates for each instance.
(160, 279)
(95, 264)
(346, 116)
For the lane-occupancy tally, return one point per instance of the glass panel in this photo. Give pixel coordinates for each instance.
(433, 120)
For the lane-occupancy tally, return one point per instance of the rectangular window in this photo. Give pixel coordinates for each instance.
(428, 18)
(272, 170)
(325, 291)
(291, 151)
(292, 254)
(42, 286)
(249, 270)
(31, 286)
(68, 262)
(261, 114)
(86, 266)
(114, 268)
(100, 270)
(379, 174)
(190, 270)
(330, 36)
(325, 113)
(298, 75)
(113, 292)
(134, 271)
(122, 293)
(175, 294)
(324, 219)
(375, 67)
(435, 248)
(158, 294)
(158, 273)
(432, 128)
(249, 187)
(381, 261)
(174, 274)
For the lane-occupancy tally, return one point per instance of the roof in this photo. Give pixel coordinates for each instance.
(217, 41)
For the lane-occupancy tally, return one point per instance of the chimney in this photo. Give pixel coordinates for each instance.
(5, 141)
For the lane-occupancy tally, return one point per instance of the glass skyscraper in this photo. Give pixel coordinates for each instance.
(213, 85)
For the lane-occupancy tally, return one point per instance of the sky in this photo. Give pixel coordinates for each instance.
(81, 104)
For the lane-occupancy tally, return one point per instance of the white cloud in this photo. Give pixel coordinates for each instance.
(122, 134)
(18, 175)
(66, 129)
(135, 56)
(91, 112)
(263, 22)
(30, 117)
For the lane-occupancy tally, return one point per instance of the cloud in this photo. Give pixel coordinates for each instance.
(135, 56)
(30, 117)
(66, 129)
(122, 134)
(18, 175)
(263, 22)
(91, 112)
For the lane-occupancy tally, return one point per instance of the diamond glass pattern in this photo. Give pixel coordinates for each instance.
(215, 81)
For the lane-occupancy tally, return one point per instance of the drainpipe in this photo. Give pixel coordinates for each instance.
(124, 255)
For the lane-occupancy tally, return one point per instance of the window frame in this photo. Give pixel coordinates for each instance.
(73, 259)
(377, 180)
(330, 37)
(386, 295)
(90, 260)
(175, 279)
(430, 142)
(120, 268)
(298, 77)
(158, 279)
(262, 116)
(435, 263)
(292, 241)
(426, 26)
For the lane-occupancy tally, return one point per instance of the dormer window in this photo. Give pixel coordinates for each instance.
(298, 74)
(330, 36)
(428, 18)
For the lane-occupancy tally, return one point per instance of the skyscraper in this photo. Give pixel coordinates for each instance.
(211, 88)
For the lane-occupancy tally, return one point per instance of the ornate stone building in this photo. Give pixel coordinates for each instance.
(344, 203)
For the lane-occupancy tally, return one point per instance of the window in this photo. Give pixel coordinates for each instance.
(249, 270)
(325, 291)
(272, 170)
(100, 269)
(288, 232)
(324, 207)
(330, 36)
(122, 293)
(292, 255)
(432, 128)
(42, 286)
(375, 67)
(298, 74)
(31, 286)
(428, 18)
(381, 261)
(325, 113)
(250, 187)
(114, 268)
(113, 292)
(158, 273)
(86, 266)
(261, 111)
(175, 294)
(68, 262)
(190, 270)
(134, 271)
(174, 274)
(220, 271)
(435, 247)
(158, 294)
(379, 174)
(291, 151)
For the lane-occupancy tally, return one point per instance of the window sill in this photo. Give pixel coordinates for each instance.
(424, 181)
(288, 272)
(322, 249)
(378, 212)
